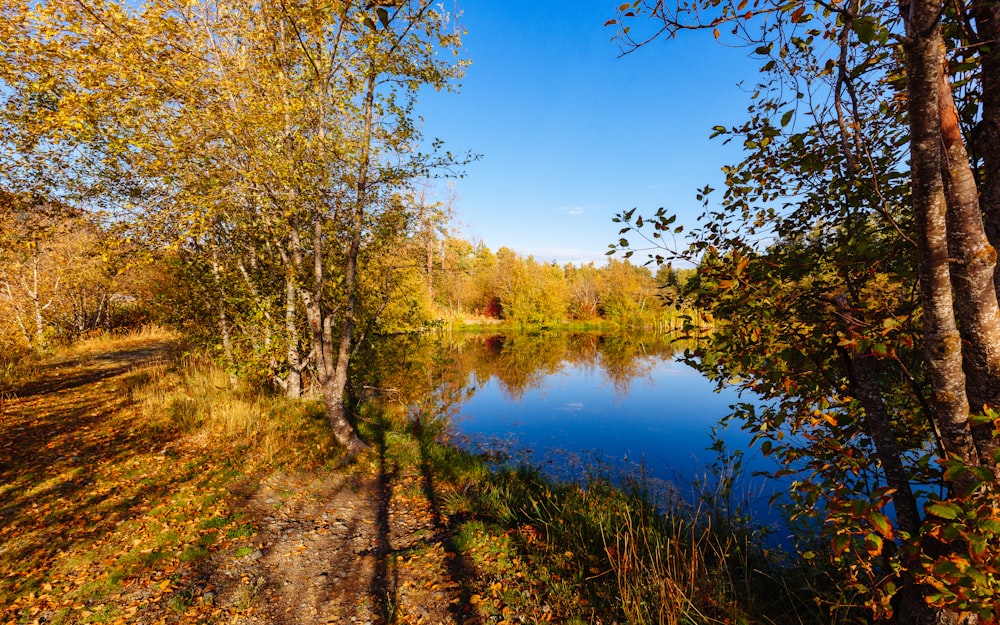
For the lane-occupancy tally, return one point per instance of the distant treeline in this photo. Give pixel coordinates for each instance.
(469, 281)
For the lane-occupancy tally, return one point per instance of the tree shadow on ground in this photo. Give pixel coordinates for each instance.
(75, 465)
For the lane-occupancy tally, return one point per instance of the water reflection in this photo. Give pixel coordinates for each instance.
(573, 403)
(578, 391)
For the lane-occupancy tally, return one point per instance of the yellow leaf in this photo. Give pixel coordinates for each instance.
(475, 599)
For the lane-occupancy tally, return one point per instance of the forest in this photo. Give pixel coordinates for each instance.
(227, 212)
(66, 276)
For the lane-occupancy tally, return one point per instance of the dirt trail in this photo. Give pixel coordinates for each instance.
(104, 519)
(333, 552)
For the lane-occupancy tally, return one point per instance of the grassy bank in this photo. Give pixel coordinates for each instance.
(132, 474)
(671, 322)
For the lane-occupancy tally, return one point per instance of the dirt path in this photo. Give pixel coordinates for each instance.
(331, 551)
(107, 517)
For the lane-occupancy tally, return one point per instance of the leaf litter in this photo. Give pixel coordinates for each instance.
(107, 516)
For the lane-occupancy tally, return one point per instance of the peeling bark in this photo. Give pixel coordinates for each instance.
(987, 14)
(973, 261)
(942, 343)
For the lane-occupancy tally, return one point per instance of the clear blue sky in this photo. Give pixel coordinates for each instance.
(571, 134)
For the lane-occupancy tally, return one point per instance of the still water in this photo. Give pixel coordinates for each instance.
(576, 403)
(661, 419)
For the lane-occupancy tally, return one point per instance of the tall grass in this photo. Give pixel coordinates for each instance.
(642, 564)
(196, 397)
(148, 336)
(17, 365)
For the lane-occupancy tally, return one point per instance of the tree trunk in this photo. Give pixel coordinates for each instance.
(293, 381)
(973, 263)
(36, 302)
(321, 336)
(338, 383)
(924, 51)
(987, 14)
(227, 341)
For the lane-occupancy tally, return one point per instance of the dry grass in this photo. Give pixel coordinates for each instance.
(103, 515)
(638, 563)
(197, 397)
(144, 337)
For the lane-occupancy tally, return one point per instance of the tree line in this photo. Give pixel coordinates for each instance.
(63, 274)
(473, 281)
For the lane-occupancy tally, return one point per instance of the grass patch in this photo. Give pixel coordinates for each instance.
(244, 551)
(241, 531)
(199, 399)
(17, 365)
(192, 554)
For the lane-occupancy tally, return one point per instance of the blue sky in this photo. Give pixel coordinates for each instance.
(570, 133)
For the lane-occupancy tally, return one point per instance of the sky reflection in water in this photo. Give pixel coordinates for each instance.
(660, 419)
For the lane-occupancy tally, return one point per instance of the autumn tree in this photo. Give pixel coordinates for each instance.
(860, 288)
(268, 140)
(56, 280)
(627, 292)
(584, 286)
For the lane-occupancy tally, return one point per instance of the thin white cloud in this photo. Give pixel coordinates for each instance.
(562, 255)
(572, 210)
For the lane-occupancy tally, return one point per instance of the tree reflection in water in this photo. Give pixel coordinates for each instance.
(428, 380)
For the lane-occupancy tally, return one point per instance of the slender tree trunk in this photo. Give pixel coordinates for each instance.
(293, 381)
(973, 264)
(924, 51)
(36, 303)
(863, 373)
(227, 341)
(987, 14)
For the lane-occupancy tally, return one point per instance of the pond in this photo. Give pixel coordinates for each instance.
(576, 404)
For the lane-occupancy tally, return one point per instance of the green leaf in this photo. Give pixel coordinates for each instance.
(864, 28)
(881, 524)
(383, 16)
(874, 543)
(948, 511)
(787, 117)
(840, 543)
